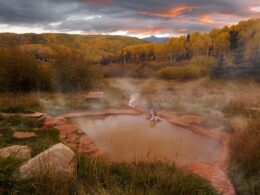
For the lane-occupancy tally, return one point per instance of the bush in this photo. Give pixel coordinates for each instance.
(21, 73)
(203, 61)
(178, 73)
(197, 67)
(117, 70)
(235, 72)
(72, 72)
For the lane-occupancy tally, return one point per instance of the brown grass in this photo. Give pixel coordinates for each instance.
(245, 157)
(20, 102)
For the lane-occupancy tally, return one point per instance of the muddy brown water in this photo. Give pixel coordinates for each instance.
(126, 138)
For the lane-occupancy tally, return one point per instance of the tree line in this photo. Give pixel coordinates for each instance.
(236, 50)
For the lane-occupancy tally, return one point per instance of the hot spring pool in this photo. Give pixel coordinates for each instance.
(126, 138)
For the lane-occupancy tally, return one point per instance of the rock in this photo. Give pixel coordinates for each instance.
(59, 160)
(16, 151)
(54, 122)
(23, 135)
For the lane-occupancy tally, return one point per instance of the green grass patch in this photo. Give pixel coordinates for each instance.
(7, 168)
(100, 177)
(43, 140)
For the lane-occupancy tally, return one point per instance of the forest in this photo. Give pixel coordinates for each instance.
(230, 53)
(49, 62)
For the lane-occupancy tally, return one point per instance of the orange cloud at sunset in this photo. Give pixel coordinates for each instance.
(218, 19)
(146, 31)
(173, 12)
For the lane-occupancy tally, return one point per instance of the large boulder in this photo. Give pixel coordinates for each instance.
(16, 151)
(59, 160)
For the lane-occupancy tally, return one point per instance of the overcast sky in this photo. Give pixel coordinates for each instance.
(124, 17)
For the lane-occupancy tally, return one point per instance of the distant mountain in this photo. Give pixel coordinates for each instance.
(154, 39)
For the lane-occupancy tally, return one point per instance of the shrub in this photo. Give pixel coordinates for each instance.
(203, 61)
(117, 70)
(72, 72)
(21, 73)
(178, 73)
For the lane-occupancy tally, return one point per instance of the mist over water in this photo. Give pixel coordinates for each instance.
(133, 138)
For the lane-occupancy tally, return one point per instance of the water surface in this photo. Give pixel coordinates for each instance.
(133, 138)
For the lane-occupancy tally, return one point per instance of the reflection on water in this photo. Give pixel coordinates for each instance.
(132, 138)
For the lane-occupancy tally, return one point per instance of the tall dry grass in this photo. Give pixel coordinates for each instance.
(28, 102)
(245, 157)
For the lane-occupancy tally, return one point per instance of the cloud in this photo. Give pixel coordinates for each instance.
(255, 9)
(219, 19)
(172, 12)
(133, 17)
(99, 2)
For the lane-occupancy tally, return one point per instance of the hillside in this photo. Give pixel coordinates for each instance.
(43, 45)
(241, 40)
(154, 39)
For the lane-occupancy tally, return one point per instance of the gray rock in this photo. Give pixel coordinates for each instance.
(59, 160)
(16, 151)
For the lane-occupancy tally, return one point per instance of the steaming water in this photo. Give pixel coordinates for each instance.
(132, 138)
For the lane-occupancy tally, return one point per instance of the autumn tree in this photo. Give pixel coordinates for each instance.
(72, 72)
(21, 73)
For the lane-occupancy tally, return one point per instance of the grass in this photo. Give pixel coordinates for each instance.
(157, 178)
(16, 103)
(7, 168)
(99, 177)
(239, 107)
(201, 96)
(245, 158)
(43, 140)
(229, 103)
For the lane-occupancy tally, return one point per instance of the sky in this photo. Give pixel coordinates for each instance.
(123, 17)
